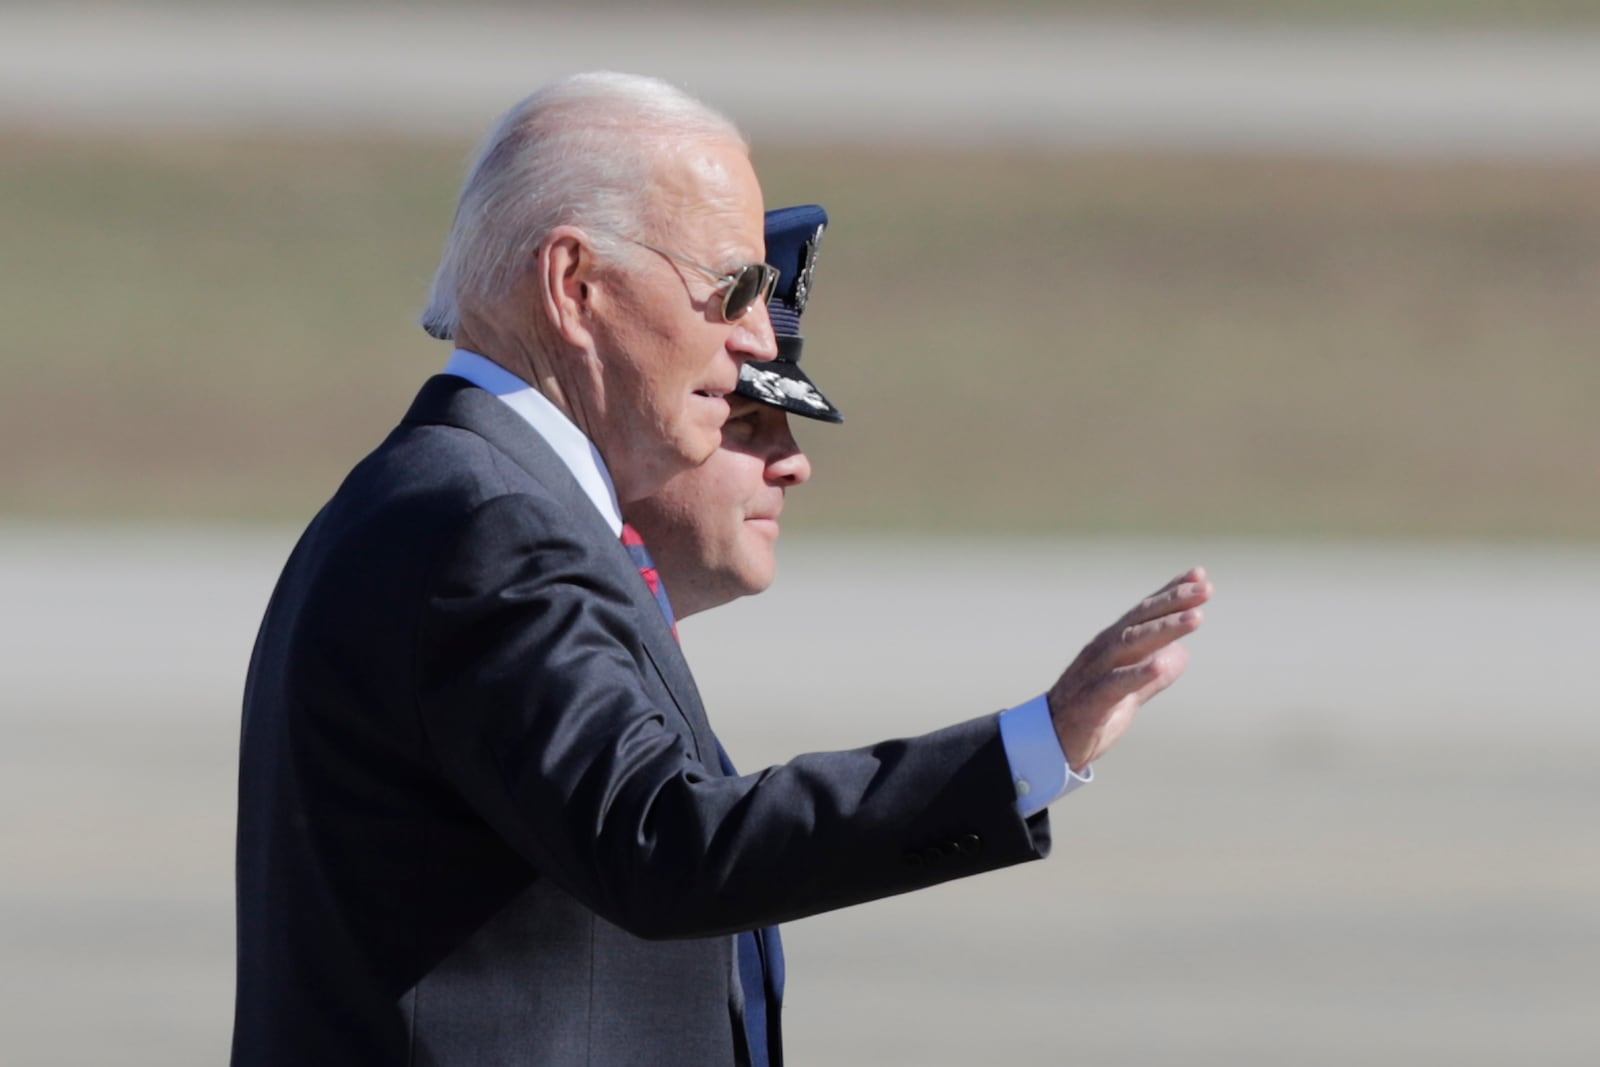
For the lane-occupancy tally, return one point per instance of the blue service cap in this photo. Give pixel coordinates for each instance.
(793, 236)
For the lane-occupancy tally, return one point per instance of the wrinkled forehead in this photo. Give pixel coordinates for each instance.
(707, 192)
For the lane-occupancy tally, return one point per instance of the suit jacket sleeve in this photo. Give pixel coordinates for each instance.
(539, 702)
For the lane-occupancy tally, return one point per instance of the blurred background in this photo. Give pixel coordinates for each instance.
(1307, 292)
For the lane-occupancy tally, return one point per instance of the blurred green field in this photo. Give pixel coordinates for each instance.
(1163, 344)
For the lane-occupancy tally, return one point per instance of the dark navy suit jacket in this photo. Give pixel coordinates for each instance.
(482, 819)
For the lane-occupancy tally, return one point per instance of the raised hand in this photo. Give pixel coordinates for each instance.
(1094, 700)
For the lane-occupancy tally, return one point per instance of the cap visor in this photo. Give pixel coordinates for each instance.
(784, 385)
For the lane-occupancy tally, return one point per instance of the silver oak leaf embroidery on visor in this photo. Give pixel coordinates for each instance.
(776, 388)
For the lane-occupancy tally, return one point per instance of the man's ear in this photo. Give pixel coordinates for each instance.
(567, 272)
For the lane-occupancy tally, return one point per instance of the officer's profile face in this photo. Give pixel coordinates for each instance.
(713, 530)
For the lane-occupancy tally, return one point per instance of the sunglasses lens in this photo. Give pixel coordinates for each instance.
(742, 292)
(751, 284)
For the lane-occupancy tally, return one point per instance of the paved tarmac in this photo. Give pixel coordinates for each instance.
(803, 74)
(1361, 830)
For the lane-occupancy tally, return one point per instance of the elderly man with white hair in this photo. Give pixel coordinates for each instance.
(483, 817)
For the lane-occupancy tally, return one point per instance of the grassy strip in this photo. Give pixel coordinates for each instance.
(1169, 345)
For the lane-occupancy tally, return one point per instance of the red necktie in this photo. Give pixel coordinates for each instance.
(647, 569)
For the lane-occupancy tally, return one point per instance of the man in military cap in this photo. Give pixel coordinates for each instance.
(713, 530)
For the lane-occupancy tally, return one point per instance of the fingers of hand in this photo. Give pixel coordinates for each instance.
(1193, 575)
(1147, 676)
(1138, 656)
(1136, 641)
(1161, 669)
(1188, 590)
(1132, 640)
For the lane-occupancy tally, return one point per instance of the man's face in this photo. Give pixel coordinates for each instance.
(713, 530)
(666, 359)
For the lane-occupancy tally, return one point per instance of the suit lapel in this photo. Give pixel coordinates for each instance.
(450, 401)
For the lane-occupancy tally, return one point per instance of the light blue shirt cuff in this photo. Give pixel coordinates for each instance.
(1038, 766)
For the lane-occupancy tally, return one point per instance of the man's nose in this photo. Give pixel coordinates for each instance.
(790, 467)
(752, 337)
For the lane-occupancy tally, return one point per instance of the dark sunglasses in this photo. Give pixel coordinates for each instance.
(740, 288)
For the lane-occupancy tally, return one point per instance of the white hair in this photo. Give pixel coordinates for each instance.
(580, 152)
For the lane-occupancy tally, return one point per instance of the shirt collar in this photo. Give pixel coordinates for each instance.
(547, 420)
